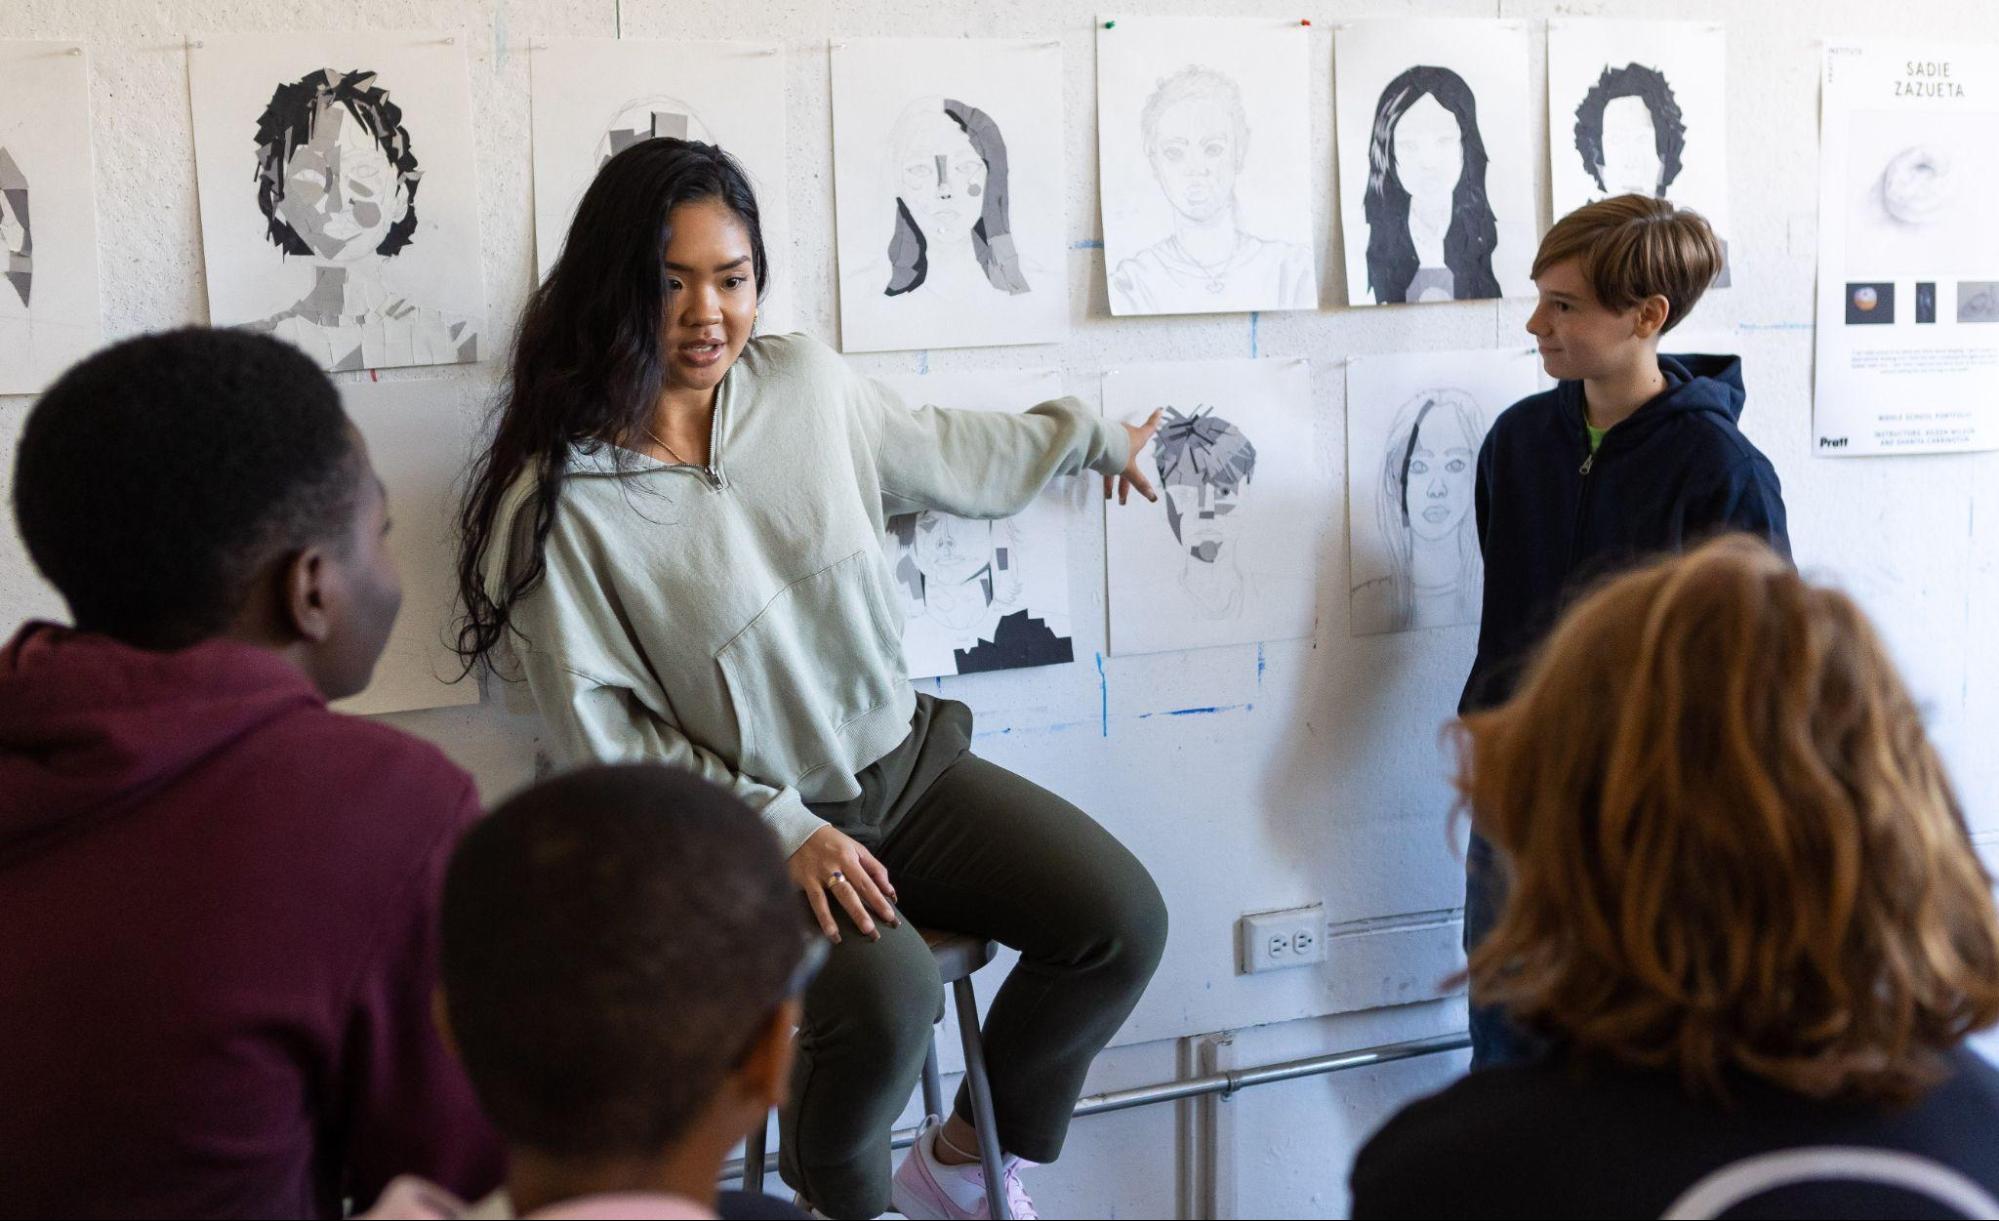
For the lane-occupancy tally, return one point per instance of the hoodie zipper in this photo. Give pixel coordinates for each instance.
(711, 474)
(1582, 504)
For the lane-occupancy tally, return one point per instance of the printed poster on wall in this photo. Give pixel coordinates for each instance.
(1908, 290)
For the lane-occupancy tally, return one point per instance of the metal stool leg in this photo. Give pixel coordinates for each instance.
(982, 1097)
(933, 1081)
(753, 1157)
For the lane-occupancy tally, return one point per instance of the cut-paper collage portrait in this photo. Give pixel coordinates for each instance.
(595, 97)
(984, 595)
(339, 205)
(1415, 421)
(1204, 142)
(948, 192)
(1639, 107)
(48, 214)
(1229, 552)
(1436, 178)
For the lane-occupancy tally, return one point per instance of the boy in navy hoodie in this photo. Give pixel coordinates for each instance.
(1631, 455)
(220, 897)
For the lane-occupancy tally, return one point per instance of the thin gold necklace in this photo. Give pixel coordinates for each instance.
(671, 452)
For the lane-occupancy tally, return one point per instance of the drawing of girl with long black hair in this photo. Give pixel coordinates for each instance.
(1431, 230)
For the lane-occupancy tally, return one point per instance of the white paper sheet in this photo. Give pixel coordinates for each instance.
(594, 96)
(1436, 177)
(1415, 421)
(1908, 276)
(984, 595)
(1204, 140)
(420, 436)
(339, 209)
(947, 165)
(48, 214)
(1640, 107)
(1228, 554)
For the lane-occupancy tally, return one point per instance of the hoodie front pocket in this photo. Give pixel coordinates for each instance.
(821, 654)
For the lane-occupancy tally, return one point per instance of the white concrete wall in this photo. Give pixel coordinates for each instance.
(1322, 779)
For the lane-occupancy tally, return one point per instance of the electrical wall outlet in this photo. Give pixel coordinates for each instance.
(1271, 941)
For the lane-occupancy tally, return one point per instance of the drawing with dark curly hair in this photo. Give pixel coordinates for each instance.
(337, 182)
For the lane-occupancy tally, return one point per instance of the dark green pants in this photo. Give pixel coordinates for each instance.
(971, 848)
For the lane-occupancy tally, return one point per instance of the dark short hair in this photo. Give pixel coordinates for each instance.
(1200, 447)
(1669, 127)
(611, 939)
(288, 121)
(157, 477)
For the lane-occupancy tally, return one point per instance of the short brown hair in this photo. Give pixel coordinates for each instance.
(1632, 247)
(1731, 847)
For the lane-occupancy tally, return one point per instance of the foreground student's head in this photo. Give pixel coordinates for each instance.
(1613, 277)
(206, 483)
(1732, 846)
(622, 952)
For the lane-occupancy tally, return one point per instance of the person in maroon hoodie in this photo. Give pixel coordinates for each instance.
(219, 897)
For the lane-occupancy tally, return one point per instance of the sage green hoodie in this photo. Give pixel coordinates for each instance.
(737, 620)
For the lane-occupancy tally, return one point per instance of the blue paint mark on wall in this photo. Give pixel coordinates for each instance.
(923, 361)
(1253, 317)
(1259, 666)
(1086, 244)
(1210, 710)
(1103, 697)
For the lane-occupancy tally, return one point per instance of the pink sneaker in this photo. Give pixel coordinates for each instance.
(926, 1188)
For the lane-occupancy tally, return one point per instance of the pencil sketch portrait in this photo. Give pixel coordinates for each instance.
(1430, 228)
(337, 181)
(1424, 513)
(1196, 136)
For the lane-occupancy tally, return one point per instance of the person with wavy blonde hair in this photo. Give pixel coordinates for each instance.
(1745, 915)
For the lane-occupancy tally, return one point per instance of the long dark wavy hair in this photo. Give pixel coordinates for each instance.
(588, 364)
(1468, 243)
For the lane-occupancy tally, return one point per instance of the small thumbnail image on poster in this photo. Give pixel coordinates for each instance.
(1871, 303)
(1978, 300)
(1926, 302)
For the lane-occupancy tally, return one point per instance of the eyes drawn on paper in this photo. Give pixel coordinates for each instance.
(1431, 230)
(336, 180)
(948, 169)
(1196, 135)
